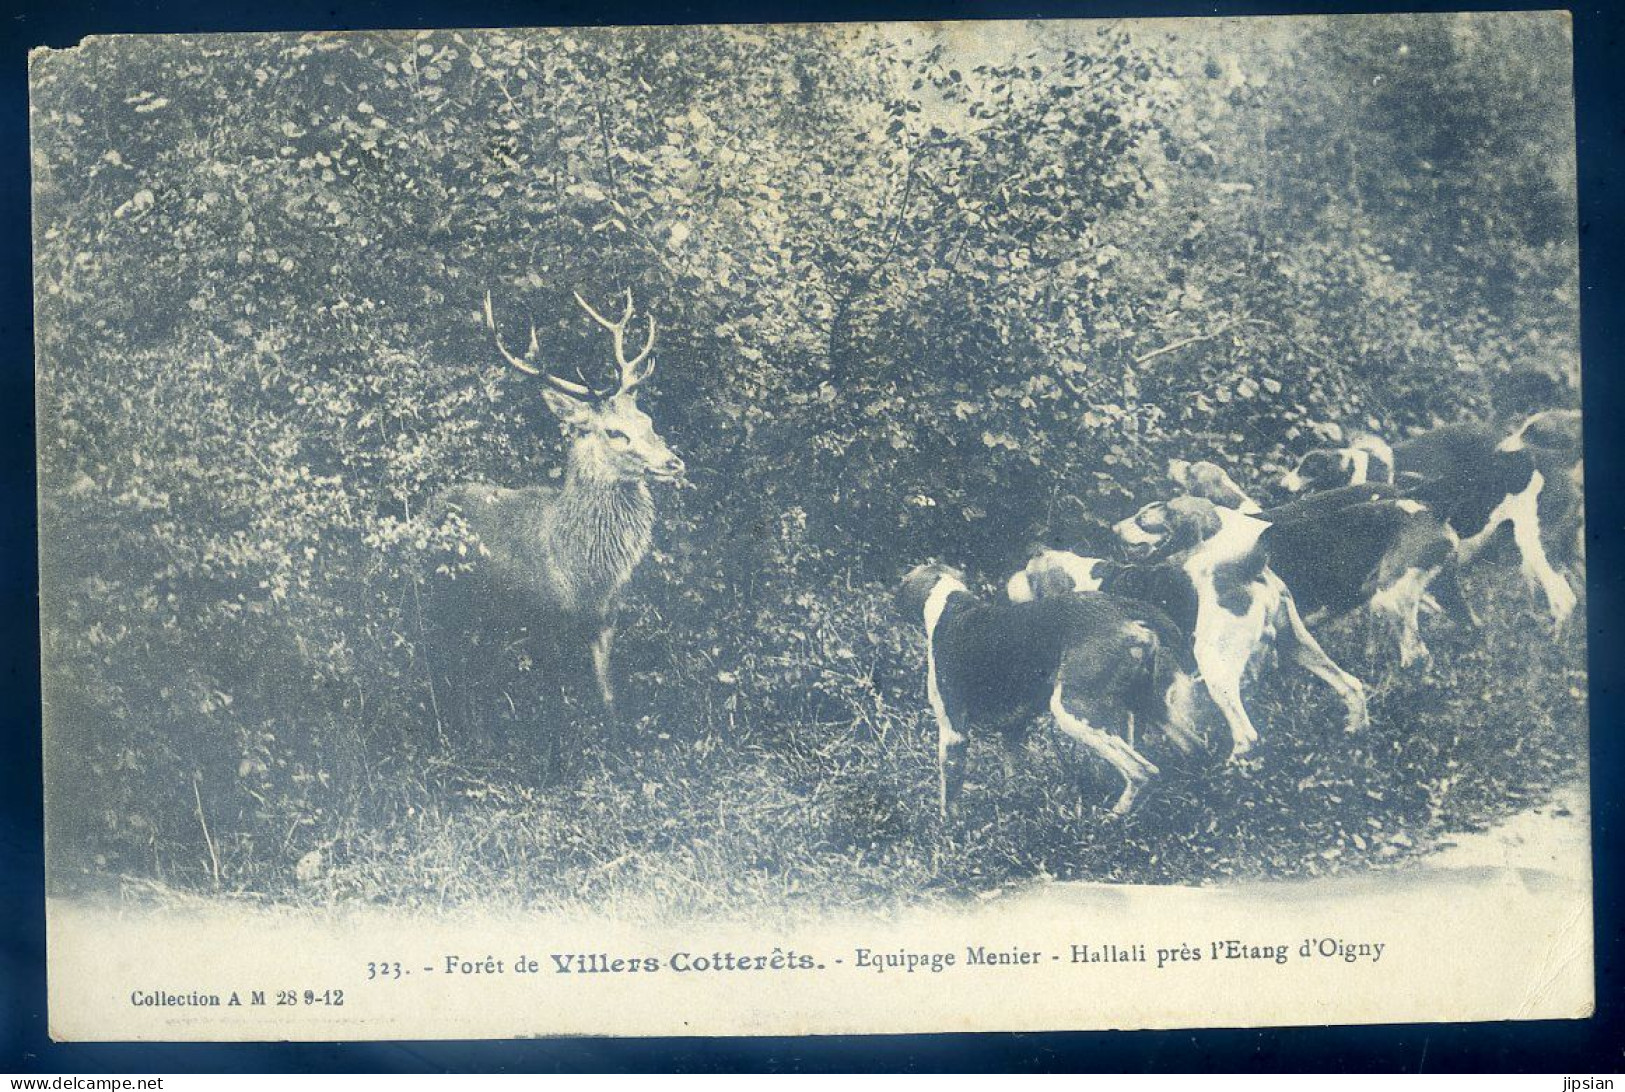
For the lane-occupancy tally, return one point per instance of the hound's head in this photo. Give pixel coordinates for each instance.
(1054, 573)
(1169, 526)
(1551, 430)
(1323, 468)
(1365, 459)
(1211, 482)
(922, 580)
(1381, 468)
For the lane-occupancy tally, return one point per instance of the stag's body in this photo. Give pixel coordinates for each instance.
(548, 564)
(567, 551)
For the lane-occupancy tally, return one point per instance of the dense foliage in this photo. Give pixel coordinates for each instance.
(921, 293)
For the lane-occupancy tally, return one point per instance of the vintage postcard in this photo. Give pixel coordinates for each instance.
(812, 529)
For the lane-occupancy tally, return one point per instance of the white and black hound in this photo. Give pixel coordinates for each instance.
(1553, 440)
(1372, 547)
(1355, 546)
(1363, 460)
(1368, 546)
(1528, 481)
(1215, 578)
(1479, 479)
(1104, 666)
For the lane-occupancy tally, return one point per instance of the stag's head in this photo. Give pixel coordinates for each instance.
(609, 432)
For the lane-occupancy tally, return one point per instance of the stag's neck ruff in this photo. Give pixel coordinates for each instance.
(571, 549)
(601, 528)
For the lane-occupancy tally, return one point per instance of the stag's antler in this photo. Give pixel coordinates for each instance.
(527, 364)
(631, 373)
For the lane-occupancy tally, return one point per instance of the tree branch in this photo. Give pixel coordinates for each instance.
(1218, 331)
(208, 841)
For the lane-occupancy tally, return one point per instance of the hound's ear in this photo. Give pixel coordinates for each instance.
(1217, 485)
(573, 412)
(1050, 581)
(1194, 521)
(914, 586)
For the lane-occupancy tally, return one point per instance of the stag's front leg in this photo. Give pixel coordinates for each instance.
(601, 646)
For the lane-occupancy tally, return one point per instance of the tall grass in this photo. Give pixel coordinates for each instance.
(803, 775)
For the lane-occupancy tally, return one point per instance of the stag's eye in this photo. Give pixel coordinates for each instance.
(617, 435)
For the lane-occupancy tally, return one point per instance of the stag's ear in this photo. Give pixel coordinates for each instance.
(572, 411)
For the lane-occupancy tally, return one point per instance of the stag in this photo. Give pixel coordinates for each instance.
(547, 564)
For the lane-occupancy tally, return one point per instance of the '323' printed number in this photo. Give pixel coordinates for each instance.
(383, 970)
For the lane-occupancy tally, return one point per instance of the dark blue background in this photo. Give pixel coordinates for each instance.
(1594, 1045)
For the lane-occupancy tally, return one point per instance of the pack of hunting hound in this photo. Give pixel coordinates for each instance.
(1213, 588)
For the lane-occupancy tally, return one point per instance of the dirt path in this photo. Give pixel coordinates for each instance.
(1546, 847)
(1552, 838)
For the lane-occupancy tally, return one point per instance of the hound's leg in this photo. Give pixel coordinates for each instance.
(1313, 659)
(1222, 670)
(1525, 519)
(1398, 607)
(1411, 646)
(945, 707)
(1451, 596)
(1468, 549)
(1180, 700)
(1135, 768)
(1381, 627)
(601, 646)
